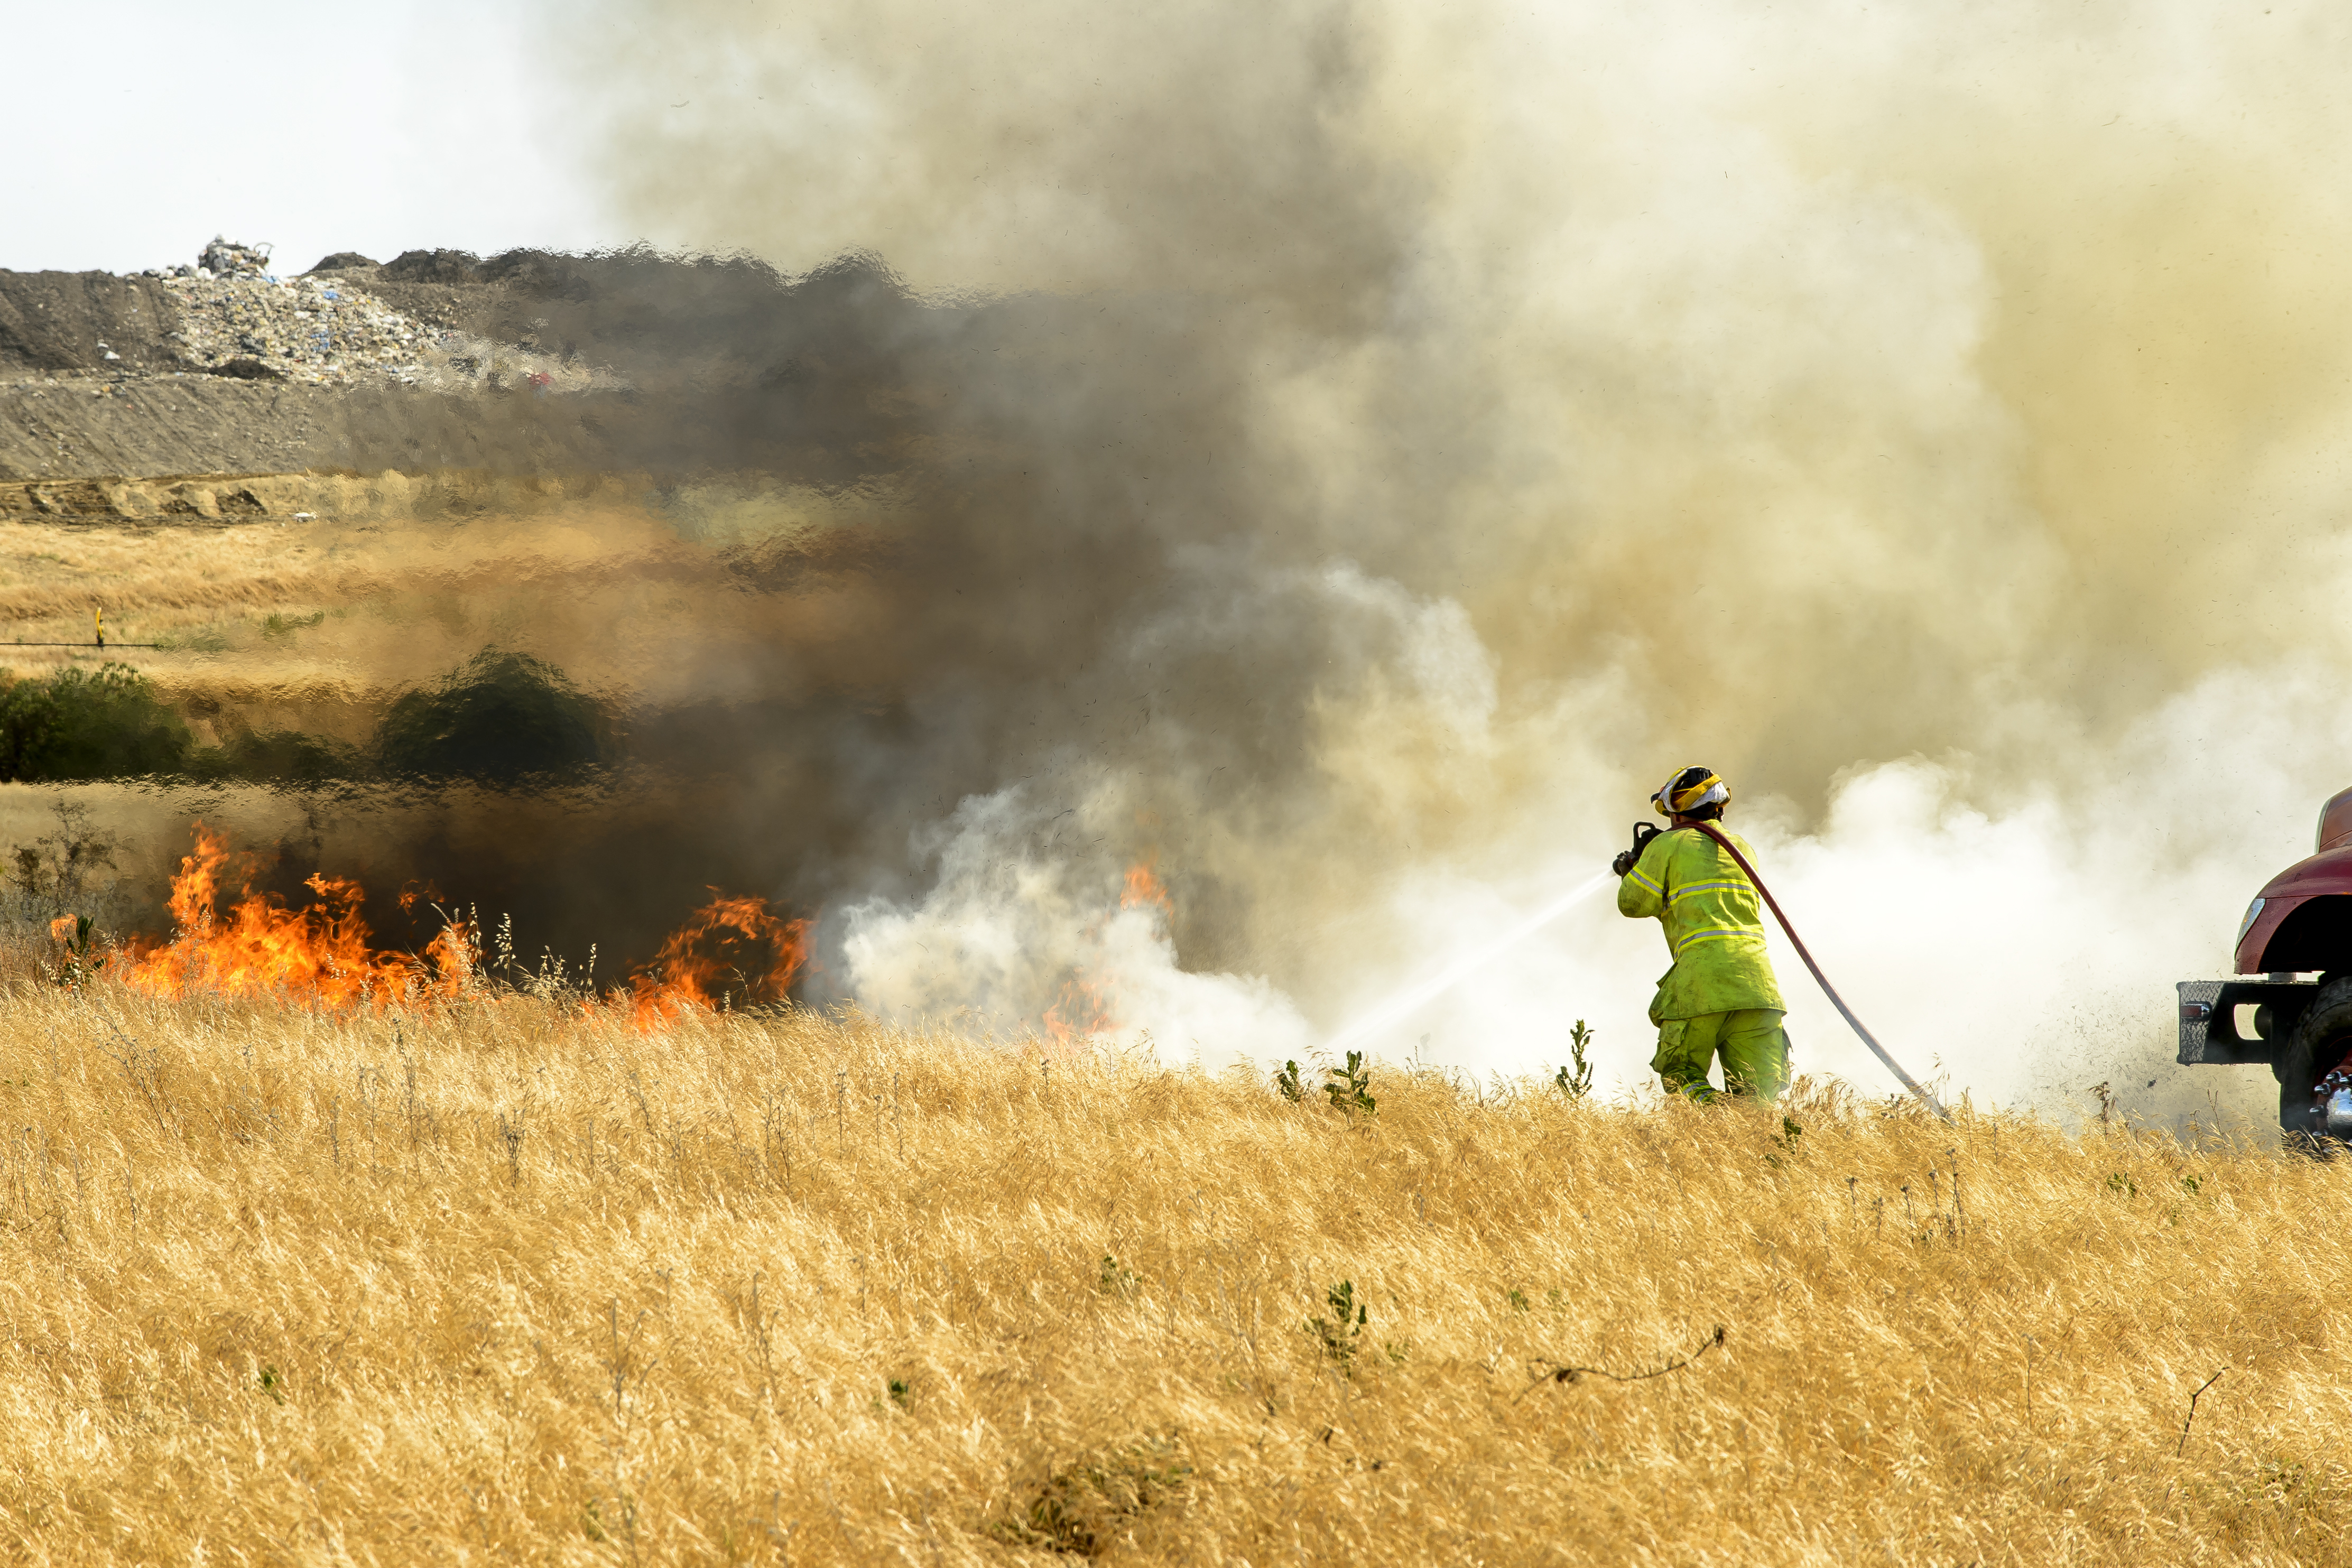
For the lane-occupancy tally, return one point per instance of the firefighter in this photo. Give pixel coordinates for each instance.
(1721, 997)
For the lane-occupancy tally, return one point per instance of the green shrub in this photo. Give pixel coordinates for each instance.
(1351, 1088)
(80, 724)
(504, 715)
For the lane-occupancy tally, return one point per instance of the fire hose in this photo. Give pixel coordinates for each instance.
(1411, 997)
(1828, 990)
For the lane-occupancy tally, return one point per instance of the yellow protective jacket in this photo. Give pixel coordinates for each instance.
(1713, 921)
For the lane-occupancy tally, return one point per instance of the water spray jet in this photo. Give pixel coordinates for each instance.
(1405, 1001)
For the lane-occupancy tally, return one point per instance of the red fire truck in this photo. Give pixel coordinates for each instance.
(2290, 1003)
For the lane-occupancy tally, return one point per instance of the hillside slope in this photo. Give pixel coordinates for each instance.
(502, 1279)
(526, 363)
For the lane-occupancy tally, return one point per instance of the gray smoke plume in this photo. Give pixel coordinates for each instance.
(1345, 455)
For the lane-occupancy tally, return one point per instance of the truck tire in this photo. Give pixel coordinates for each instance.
(2320, 1041)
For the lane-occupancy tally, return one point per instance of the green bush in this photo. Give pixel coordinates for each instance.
(80, 724)
(504, 715)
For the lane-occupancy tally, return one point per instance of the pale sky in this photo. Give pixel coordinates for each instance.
(148, 127)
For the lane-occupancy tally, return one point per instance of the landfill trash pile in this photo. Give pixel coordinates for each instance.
(239, 319)
(227, 258)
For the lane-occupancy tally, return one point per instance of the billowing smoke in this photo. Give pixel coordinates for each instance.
(1343, 456)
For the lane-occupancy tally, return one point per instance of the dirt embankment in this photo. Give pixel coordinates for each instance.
(81, 430)
(84, 322)
(106, 381)
(682, 367)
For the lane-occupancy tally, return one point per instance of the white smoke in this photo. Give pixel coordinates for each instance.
(1934, 420)
(1006, 945)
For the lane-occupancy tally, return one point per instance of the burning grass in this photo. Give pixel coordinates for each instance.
(734, 950)
(500, 1280)
(256, 947)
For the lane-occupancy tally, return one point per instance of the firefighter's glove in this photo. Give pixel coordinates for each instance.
(1643, 833)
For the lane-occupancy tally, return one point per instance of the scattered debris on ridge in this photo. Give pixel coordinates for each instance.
(239, 319)
(227, 258)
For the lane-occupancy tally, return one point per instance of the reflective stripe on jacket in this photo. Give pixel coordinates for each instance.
(1714, 922)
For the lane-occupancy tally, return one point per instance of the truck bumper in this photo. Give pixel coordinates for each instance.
(2208, 1016)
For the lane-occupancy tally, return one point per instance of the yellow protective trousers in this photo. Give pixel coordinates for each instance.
(1753, 1045)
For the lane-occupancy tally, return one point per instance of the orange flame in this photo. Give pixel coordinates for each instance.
(65, 927)
(262, 948)
(1084, 1009)
(1145, 890)
(734, 948)
(1080, 1012)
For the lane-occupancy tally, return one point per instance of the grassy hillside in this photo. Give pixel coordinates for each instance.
(500, 1283)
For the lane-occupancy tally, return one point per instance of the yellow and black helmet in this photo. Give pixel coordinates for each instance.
(1690, 792)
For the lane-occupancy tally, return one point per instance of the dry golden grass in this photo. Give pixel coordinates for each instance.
(315, 624)
(496, 1285)
(400, 602)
